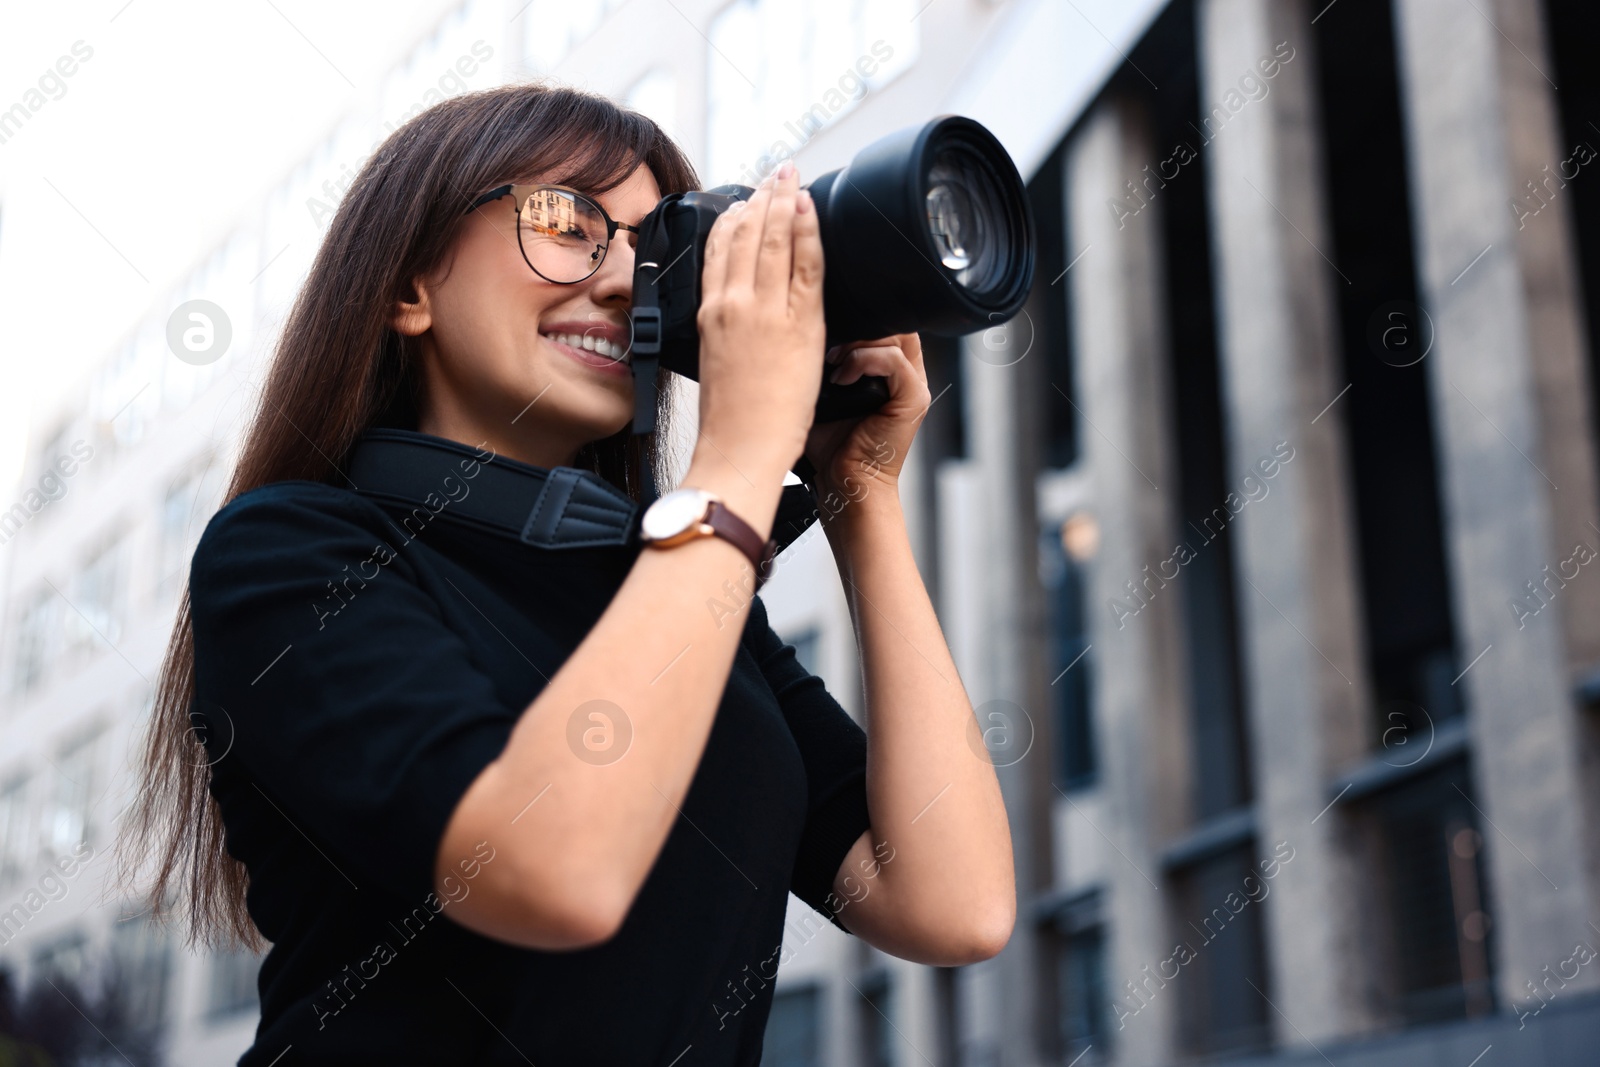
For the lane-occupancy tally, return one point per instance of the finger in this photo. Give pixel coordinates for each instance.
(774, 260)
(911, 345)
(746, 237)
(908, 389)
(714, 268)
(838, 352)
(805, 283)
(874, 361)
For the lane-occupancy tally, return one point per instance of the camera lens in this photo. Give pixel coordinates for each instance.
(970, 240)
(928, 230)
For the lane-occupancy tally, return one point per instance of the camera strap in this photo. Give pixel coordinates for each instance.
(555, 508)
(549, 508)
(644, 350)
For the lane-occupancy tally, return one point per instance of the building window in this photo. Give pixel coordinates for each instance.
(1064, 552)
(1405, 588)
(780, 72)
(793, 1029)
(1441, 957)
(1046, 326)
(877, 1020)
(1082, 1004)
(15, 837)
(185, 511)
(1221, 982)
(1570, 26)
(944, 429)
(1073, 937)
(36, 639)
(233, 985)
(57, 447)
(1207, 580)
(63, 960)
(141, 958)
(68, 819)
(99, 598)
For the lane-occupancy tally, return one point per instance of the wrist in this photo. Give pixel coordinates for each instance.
(750, 489)
(845, 512)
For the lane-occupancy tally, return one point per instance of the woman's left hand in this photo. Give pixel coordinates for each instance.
(866, 454)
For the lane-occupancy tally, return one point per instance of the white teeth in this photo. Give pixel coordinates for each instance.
(589, 342)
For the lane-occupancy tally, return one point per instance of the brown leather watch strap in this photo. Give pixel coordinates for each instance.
(731, 528)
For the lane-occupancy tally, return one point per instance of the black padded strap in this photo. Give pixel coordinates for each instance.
(558, 508)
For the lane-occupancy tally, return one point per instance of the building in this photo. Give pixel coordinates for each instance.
(117, 489)
(1259, 539)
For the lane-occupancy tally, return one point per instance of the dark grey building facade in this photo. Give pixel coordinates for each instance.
(1288, 496)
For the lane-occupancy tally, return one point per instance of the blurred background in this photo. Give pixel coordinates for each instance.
(1262, 539)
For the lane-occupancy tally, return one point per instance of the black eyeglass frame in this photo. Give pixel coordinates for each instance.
(520, 194)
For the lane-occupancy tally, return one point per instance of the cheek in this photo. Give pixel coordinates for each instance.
(487, 311)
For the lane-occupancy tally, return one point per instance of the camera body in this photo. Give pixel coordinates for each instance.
(666, 299)
(926, 230)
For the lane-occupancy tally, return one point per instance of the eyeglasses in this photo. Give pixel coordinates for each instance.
(563, 234)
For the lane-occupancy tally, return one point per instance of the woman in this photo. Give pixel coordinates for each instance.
(380, 710)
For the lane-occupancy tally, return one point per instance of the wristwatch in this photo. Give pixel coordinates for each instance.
(685, 514)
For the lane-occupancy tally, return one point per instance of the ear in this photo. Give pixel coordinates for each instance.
(411, 318)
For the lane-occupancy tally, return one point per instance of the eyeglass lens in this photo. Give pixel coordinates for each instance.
(563, 235)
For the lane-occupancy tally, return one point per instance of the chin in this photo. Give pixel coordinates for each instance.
(603, 412)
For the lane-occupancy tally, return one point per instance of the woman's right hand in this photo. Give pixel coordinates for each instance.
(761, 324)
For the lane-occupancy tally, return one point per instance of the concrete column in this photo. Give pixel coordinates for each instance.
(1125, 413)
(1541, 163)
(917, 499)
(916, 1019)
(1298, 595)
(964, 538)
(1013, 708)
(1498, 482)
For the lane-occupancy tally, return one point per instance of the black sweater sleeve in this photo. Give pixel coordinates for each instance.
(834, 749)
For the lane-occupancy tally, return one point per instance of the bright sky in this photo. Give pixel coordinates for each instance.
(182, 115)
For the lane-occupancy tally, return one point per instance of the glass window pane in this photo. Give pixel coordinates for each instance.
(142, 966)
(1223, 984)
(35, 639)
(68, 821)
(791, 1039)
(15, 835)
(232, 986)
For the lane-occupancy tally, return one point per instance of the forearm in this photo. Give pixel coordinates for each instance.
(931, 787)
(586, 793)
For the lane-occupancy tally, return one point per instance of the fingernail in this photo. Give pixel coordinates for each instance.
(785, 169)
(803, 203)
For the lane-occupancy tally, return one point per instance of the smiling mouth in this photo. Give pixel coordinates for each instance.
(599, 346)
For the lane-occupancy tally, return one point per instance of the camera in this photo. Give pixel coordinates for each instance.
(926, 230)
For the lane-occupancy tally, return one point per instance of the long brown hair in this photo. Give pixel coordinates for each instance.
(338, 369)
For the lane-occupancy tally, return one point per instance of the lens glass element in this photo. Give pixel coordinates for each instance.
(563, 234)
(965, 212)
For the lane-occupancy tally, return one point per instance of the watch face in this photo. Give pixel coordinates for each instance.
(672, 514)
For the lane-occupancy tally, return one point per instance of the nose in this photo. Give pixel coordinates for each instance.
(613, 282)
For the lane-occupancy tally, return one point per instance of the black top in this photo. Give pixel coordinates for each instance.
(359, 659)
